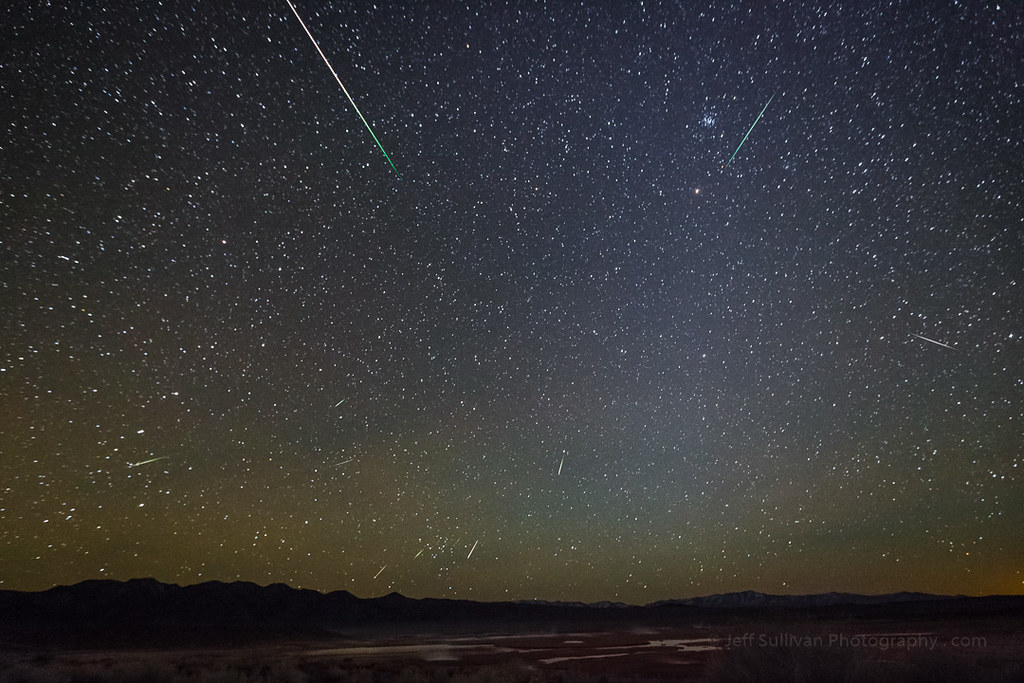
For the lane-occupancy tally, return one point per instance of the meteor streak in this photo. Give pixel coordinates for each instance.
(560, 464)
(419, 553)
(471, 550)
(748, 132)
(343, 89)
(379, 572)
(339, 403)
(146, 462)
(937, 343)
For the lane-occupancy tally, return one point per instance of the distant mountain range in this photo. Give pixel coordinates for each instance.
(146, 611)
(753, 599)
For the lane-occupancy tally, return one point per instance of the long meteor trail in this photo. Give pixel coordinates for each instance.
(146, 462)
(937, 343)
(343, 89)
(748, 132)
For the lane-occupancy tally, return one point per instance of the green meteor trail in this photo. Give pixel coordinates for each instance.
(748, 132)
(343, 89)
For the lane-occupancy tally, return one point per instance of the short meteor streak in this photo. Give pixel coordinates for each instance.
(560, 465)
(146, 462)
(339, 403)
(379, 573)
(419, 553)
(937, 343)
(343, 89)
(749, 131)
(471, 550)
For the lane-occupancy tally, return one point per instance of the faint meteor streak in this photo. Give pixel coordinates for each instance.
(343, 89)
(419, 553)
(146, 462)
(937, 343)
(339, 403)
(379, 572)
(749, 131)
(560, 464)
(471, 550)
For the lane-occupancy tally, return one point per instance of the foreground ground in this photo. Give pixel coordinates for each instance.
(923, 650)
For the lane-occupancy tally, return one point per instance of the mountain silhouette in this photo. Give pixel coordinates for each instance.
(147, 612)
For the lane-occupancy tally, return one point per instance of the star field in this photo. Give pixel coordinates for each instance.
(567, 354)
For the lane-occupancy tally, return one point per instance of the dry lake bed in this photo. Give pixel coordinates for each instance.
(987, 650)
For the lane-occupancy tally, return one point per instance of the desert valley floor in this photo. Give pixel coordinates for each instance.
(729, 650)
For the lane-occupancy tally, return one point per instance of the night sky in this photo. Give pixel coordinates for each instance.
(568, 351)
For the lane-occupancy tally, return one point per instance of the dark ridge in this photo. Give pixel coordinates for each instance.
(147, 613)
(755, 599)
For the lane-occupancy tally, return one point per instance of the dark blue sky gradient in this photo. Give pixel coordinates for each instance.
(204, 251)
